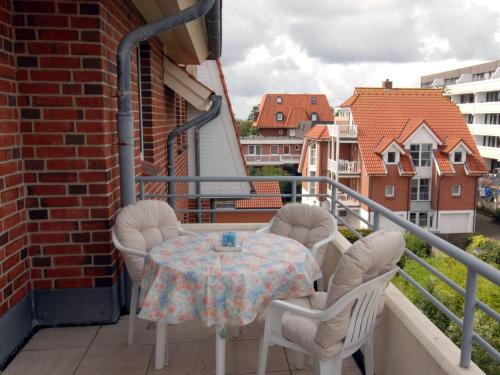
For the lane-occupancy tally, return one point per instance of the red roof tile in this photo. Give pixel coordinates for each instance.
(295, 108)
(318, 132)
(262, 187)
(474, 165)
(451, 142)
(406, 166)
(384, 143)
(445, 167)
(382, 112)
(413, 124)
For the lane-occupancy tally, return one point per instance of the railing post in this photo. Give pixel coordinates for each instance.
(376, 221)
(468, 322)
(333, 198)
(294, 191)
(141, 191)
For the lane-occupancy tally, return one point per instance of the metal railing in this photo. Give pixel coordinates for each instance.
(344, 166)
(343, 131)
(475, 267)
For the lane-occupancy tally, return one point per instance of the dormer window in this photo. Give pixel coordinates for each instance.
(279, 116)
(457, 157)
(391, 157)
(279, 99)
(314, 116)
(313, 100)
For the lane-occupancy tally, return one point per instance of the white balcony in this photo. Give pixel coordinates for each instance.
(343, 131)
(485, 129)
(274, 159)
(489, 152)
(483, 107)
(344, 167)
(347, 200)
(261, 140)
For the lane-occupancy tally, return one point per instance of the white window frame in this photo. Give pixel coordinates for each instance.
(429, 218)
(314, 116)
(389, 191)
(252, 150)
(419, 186)
(419, 147)
(279, 116)
(454, 191)
(313, 154)
(292, 132)
(277, 150)
(461, 157)
(395, 157)
(314, 100)
(297, 148)
(279, 99)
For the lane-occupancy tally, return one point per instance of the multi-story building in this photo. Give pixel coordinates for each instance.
(281, 121)
(408, 149)
(476, 91)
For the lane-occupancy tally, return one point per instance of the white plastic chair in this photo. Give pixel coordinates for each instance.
(328, 237)
(365, 300)
(139, 218)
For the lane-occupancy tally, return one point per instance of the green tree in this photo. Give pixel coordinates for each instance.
(246, 128)
(269, 170)
(253, 113)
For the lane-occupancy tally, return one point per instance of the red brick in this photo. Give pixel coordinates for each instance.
(43, 238)
(58, 177)
(69, 213)
(60, 34)
(34, 7)
(85, 22)
(66, 164)
(59, 62)
(60, 202)
(41, 139)
(42, 284)
(86, 49)
(55, 152)
(50, 21)
(38, 88)
(47, 48)
(50, 75)
(62, 249)
(63, 272)
(72, 260)
(87, 76)
(62, 114)
(46, 190)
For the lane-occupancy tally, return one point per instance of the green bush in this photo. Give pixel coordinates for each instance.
(417, 246)
(351, 236)
(485, 248)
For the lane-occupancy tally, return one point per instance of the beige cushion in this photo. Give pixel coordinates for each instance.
(304, 223)
(367, 258)
(142, 226)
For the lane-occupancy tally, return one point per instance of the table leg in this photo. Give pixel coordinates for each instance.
(220, 350)
(161, 345)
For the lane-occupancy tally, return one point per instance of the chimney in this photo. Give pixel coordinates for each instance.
(387, 84)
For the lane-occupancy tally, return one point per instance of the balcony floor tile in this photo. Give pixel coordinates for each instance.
(62, 338)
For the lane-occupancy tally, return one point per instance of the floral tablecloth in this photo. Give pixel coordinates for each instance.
(185, 278)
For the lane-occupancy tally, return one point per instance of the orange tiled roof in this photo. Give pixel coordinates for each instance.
(406, 166)
(445, 167)
(474, 164)
(262, 187)
(412, 124)
(384, 143)
(382, 112)
(318, 132)
(451, 142)
(295, 108)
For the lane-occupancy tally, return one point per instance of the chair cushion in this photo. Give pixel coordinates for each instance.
(302, 222)
(142, 226)
(366, 259)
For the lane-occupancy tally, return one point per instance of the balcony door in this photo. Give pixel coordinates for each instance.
(255, 150)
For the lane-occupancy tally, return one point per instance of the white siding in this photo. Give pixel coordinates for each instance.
(219, 147)
(456, 221)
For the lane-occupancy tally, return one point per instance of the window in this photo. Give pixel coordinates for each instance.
(456, 190)
(254, 150)
(297, 148)
(314, 116)
(490, 141)
(312, 154)
(391, 157)
(291, 132)
(457, 157)
(492, 118)
(279, 116)
(286, 149)
(422, 219)
(274, 150)
(421, 155)
(279, 99)
(469, 119)
(466, 98)
(312, 184)
(420, 189)
(313, 100)
(389, 191)
(280, 132)
(493, 96)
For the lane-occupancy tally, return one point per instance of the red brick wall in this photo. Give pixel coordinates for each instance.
(466, 200)
(15, 280)
(63, 62)
(401, 199)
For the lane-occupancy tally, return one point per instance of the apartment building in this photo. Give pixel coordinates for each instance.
(408, 149)
(281, 121)
(476, 91)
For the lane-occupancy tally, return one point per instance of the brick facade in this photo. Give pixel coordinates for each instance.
(59, 182)
(401, 199)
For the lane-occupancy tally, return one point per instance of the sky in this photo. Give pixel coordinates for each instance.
(333, 46)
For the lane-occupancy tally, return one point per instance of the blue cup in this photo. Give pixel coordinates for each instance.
(229, 239)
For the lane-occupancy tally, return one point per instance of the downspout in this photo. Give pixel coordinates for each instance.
(199, 121)
(125, 117)
(197, 171)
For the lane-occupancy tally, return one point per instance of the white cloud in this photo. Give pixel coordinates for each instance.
(334, 46)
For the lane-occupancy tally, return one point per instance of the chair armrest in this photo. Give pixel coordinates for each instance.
(182, 231)
(323, 242)
(126, 250)
(265, 229)
(330, 281)
(279, 306)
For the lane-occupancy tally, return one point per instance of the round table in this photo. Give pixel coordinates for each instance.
(185, 278)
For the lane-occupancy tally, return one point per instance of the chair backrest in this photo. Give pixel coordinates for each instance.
(141, 226)
(364, 301)
(365, 260)
(304, 223)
